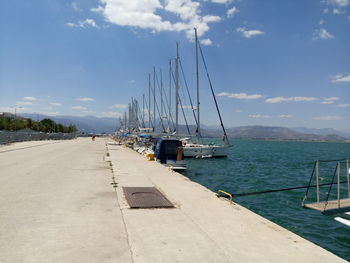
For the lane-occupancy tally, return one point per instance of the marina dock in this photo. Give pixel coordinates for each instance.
(333, 205)
(65, 201)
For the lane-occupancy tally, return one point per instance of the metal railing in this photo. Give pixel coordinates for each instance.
(336, 179)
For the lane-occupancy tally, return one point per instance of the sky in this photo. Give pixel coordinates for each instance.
(272, 62)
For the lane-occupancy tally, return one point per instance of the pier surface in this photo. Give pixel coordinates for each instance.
(57, 204)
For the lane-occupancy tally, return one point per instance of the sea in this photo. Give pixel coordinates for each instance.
(258, 165)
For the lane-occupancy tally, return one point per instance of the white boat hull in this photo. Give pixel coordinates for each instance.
(204, 151)
(343, 220)
(176, 165)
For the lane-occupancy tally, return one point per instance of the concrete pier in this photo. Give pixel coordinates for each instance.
(57, 204)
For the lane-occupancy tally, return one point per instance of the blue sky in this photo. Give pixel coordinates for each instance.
(272, 62)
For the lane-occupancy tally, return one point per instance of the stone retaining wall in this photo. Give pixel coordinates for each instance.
(19, 136)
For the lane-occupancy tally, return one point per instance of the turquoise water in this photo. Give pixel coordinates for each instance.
(262, 165)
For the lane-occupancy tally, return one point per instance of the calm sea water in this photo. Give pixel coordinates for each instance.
(262, 165)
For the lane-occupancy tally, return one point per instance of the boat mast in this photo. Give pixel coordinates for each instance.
(177, 87)
(149, 100)
(129, 124)
(170, 91)
(137, 119)
(161, 93)
(197, 82)
(143, 110)
(125, 125)
(154, 98)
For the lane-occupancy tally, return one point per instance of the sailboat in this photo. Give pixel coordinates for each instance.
(200, 150)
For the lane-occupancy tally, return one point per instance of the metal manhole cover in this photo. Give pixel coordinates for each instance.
(146, 197)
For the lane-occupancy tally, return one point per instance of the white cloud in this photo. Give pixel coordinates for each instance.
(56, 104)
(285, 116)
(24, 109)
(332, 99)
(232, 11)
(343, 105)
(78, 108)
(24, 103)
(321, 22)
(85, 99)
(338, 3)
(325, 11)
(259, 116)
(328, 118)
(249, 33)
(16, 109)
(29, 98)
(341, 78)
(5, 109)
(322, 34)
(145, 14)
(206, 42)
(49, 113)
(47, 108)
(222, 1)
(240, 96)
(338, 11)
(83, 24)
(329, 100)
(119, 106)
(75, 6)
(289, 99)
(110, 114)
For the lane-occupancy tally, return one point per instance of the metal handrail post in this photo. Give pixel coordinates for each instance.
(348, 175)
(317, 183)
(338, 183)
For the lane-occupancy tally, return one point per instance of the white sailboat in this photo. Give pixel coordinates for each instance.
(196, 150)
(200, 150)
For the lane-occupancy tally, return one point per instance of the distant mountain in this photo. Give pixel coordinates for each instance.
(87, 124)
(325, 131)
(278, 133)
(91, 124)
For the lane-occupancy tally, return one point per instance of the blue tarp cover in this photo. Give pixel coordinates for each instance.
(166, 149)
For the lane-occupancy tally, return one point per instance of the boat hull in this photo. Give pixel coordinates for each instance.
(204, 151)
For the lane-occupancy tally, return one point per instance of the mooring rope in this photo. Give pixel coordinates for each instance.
(344, 160)
(281, 190)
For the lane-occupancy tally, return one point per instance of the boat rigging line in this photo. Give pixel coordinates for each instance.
(182, 109)
(213, 93)
(188, 92)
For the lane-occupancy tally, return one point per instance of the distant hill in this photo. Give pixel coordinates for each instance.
(325, 131)
(87, 124)
(91, 124)
(264, 133)
(278, 133)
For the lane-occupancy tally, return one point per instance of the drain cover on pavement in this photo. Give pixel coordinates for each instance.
(146, 197)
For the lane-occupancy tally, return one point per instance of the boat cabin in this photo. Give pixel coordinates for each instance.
(168, 150)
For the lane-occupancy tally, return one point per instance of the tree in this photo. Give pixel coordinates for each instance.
(45, 125)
